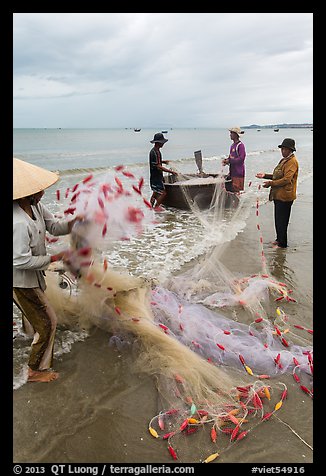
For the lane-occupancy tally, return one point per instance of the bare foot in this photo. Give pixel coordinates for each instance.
(42, 375)
(159, 208)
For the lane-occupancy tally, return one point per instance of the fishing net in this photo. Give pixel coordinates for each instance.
(217, 378)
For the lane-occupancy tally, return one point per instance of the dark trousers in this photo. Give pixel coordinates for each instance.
(282, 211)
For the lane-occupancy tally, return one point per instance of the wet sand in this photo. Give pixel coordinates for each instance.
(98, 411)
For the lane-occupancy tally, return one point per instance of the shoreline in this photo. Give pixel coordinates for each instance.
(98, 411)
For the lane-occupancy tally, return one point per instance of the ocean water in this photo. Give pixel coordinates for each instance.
(73, 149)
(177, 241)
(73, 153)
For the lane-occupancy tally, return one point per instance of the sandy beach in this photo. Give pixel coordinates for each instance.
(98, 411)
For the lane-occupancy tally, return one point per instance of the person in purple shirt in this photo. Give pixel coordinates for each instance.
(235, 160)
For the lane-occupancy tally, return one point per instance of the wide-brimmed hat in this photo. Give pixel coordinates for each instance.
(30, 179)
(159, 137)
(237, 130)
(288, 144)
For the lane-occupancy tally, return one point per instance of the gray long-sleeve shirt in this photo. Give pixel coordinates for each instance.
(29, 250)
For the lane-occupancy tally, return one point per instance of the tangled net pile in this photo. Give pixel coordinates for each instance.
(215, 376)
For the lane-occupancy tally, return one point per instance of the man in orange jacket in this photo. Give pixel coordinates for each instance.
(283, 183)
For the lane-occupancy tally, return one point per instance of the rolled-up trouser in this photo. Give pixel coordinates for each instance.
(157, 186)
(282, 211)
(41, 316)
(237, 184)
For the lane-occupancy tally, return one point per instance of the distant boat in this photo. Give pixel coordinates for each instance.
(258, 130)
(276, 130)
(137, 130)
(164, 132)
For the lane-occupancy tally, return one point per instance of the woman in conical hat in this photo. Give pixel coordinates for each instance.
(31, 220)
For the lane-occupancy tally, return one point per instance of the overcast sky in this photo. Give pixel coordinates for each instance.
(162, 69)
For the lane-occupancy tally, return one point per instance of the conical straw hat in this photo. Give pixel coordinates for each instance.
(30, 179)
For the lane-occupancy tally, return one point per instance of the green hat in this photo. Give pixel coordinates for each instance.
(288, 144)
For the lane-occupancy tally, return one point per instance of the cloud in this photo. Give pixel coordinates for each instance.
(191, 69)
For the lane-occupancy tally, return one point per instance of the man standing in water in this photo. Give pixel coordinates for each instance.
(156, 170)
(283, 189)
(236, 160)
